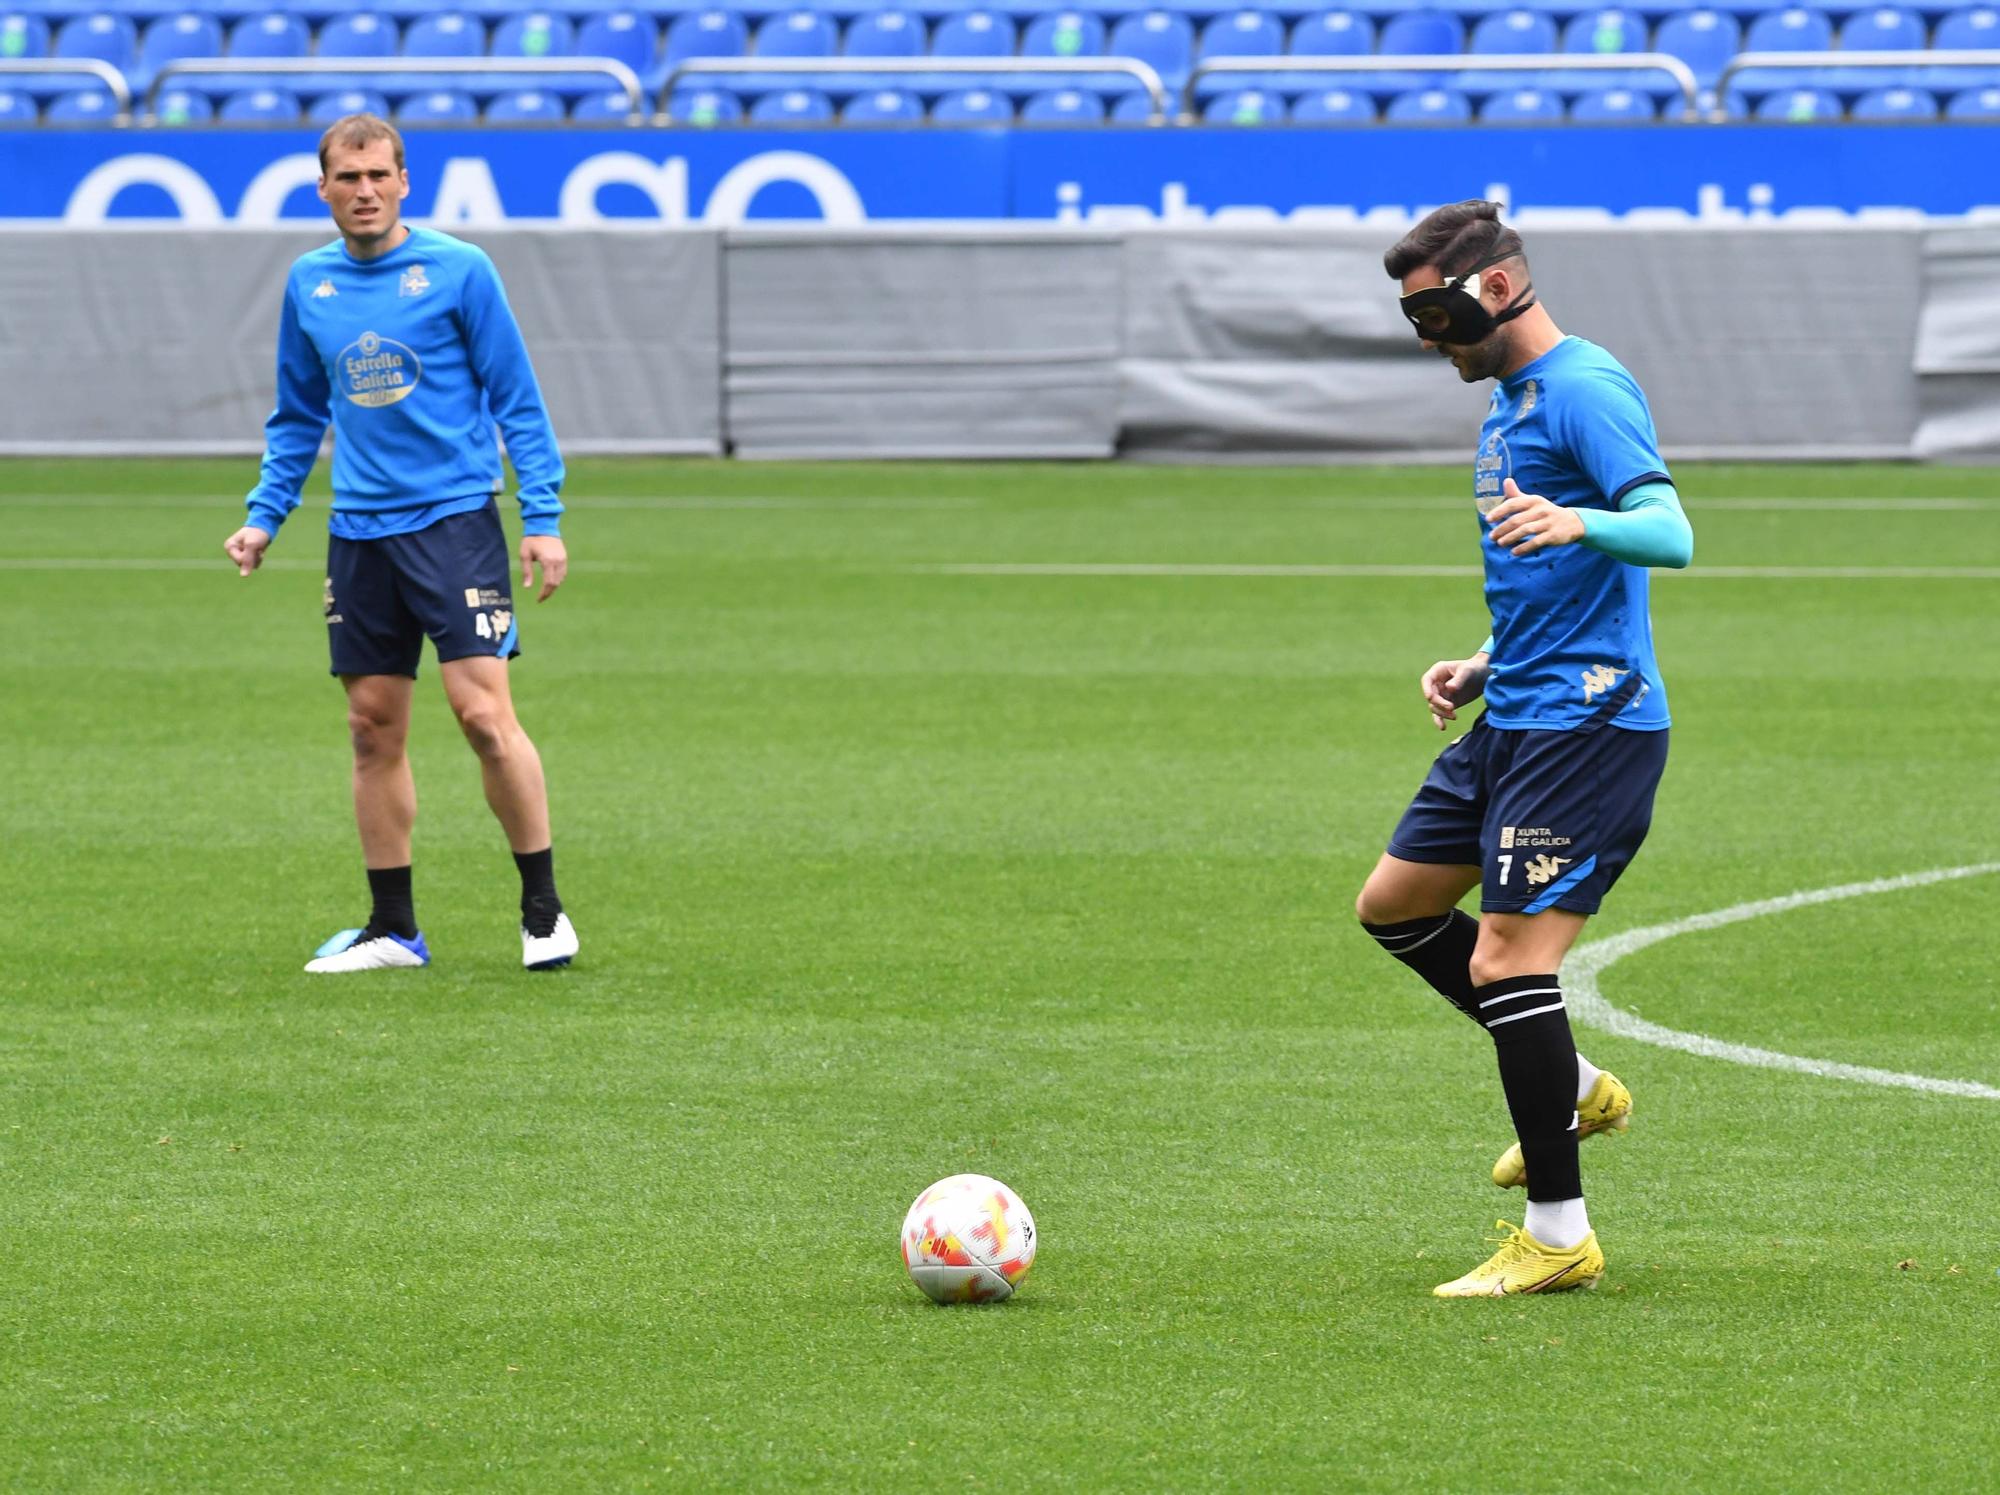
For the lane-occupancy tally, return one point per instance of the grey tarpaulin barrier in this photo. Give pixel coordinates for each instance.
(939, 343)
(1777, 340)
(129, 340)
(1958, 347)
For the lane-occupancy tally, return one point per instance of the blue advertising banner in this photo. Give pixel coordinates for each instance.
(1109, 176)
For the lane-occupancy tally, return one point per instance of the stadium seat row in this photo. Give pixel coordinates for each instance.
(1243, 106)
(1705, 38)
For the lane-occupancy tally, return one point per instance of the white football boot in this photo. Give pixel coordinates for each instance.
(550, 951)
(347, 951)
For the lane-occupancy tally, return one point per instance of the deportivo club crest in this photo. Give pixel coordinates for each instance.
(413, 282)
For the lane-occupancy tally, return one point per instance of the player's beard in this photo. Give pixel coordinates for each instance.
(1477, 361)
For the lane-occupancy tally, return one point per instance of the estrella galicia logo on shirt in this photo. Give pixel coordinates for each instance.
(1490, 471)
(375, 371)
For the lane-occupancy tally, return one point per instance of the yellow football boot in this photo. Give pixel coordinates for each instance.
(1524, 1265)
(1608, 1108)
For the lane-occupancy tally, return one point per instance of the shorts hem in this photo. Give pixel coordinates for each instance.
(1428, 859)
(1520, 906)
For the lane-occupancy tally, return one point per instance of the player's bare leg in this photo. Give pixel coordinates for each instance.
(511, 770)
(385, 811)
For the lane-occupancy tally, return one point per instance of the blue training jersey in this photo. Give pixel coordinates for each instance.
(415, 358)
(1572, 630)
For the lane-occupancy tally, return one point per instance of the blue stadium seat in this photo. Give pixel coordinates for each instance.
(105, 37)
(535, 33)
(1895, 103)
(23, 37)
(1134, 108)
(1064, 106)
(688, 106)
(883, 106)
(1243, 33)
(1524, 31)
(174, 38)
(342, 102)
(1429, 106)
(1793, 29)
(611, 105)
(1886, 28)
(886, 33)
(705, 33)
(437, 106)
(1333, 106)
(1704, 39)
(974, 33)
(792, 106)
(448, 33)
(363, 34)
(970, 106)
(798, 33)
(260, 106)
(524, 106)
(1977, 26)
(81, 106)
(1422, 33)
(183, 106)
(1605, 33)
(1600, 106)
(1799, 105)
(17, 108)
(1064, 33)
(1333, 33)
(624, 35)
(1160, 37)
(1974, 103)
(271, 34)
(1245, 106)
(1520, 106)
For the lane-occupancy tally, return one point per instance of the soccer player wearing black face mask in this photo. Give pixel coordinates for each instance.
(1543, 803)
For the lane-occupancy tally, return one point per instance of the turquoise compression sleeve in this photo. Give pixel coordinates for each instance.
(1648, 529)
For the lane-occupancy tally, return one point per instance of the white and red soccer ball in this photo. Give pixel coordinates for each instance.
(968, 1239)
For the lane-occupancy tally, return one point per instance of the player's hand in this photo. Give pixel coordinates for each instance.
(246, 547)
(1527, 522)
(547, 550)
(1449, 684)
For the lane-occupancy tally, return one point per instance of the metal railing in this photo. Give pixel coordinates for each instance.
(1913, 61)
(1457, 62)
(113, 80)
(389, 67)
(1147, 76)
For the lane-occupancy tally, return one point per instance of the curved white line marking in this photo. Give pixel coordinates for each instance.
(1587, 1004)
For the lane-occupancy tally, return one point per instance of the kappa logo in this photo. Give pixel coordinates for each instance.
(323, 290)
(414, 282)
(1540, 869)
(1598, 679)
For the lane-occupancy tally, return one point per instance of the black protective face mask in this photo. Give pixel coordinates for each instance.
(1453, 313)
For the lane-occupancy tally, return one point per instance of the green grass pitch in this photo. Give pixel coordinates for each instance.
(886, 872)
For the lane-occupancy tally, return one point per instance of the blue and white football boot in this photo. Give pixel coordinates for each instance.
(347, 951)
(551, 951)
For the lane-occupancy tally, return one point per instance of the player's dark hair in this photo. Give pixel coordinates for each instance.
(352, 131)
(1454, 238)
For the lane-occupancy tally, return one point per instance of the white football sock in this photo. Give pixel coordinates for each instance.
(1586, 1076)
(1561, 1224)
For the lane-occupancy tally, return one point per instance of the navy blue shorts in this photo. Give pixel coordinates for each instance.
(1549, 818)
(452, 580)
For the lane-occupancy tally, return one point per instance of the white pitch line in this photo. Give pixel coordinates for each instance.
(221, 565)
(1694, 573)
(1588, 1005)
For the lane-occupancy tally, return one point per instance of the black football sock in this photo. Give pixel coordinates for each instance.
(395, 910)
(539, 903)
(1439, 949)
(1531, 1038)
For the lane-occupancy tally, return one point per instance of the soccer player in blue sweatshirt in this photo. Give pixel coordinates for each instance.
(1543, 803)
(402, 338)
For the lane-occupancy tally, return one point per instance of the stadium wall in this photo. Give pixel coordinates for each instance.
(1010, 339)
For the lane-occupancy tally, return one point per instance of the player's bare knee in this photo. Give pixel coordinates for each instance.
(489, 728)
(376, 739)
